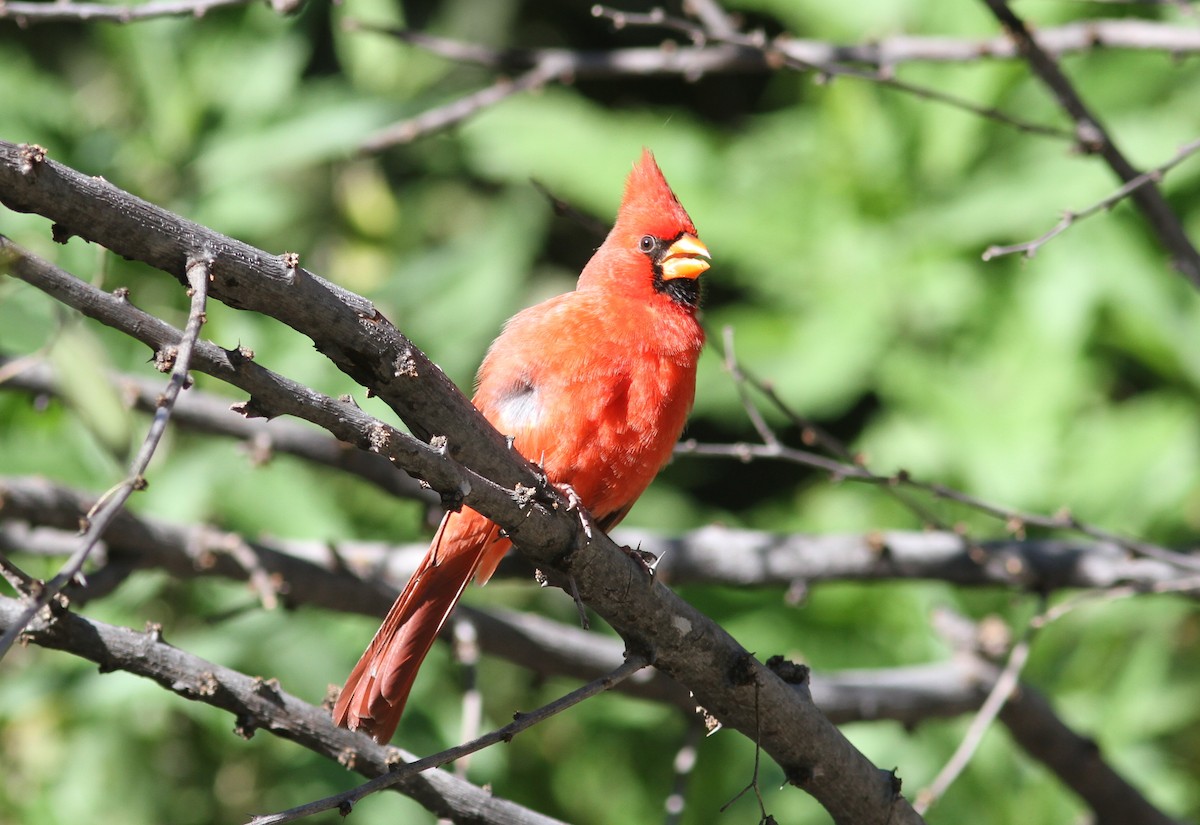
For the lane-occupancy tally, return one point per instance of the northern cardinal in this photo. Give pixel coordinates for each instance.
(595, 385)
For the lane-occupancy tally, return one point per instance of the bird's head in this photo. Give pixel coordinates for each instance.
(653, 245)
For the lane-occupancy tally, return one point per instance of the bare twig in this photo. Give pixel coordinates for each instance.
(346, 800)
(466, 656)
(739, 382)
(26, 13)
(777, 55)
(711, 16)
(717, 56)
(999, 695)
(1093, 137)
(458, 110)
(177, 359)
(1069, 219)
(1017, 520)
(216, 414)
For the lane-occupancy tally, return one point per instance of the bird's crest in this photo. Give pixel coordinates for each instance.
(649, 205)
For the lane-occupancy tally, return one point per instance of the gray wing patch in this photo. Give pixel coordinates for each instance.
(519, 407)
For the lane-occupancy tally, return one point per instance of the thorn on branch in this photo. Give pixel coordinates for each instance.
(253, 408)
(711, 723)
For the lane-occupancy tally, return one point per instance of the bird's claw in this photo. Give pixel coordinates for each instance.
(576, 504)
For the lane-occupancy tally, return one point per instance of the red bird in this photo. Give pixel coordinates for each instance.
(594, 384)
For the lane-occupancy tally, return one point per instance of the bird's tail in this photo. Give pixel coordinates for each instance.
(375, 693)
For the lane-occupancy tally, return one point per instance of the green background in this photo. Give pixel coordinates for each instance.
(846, 223)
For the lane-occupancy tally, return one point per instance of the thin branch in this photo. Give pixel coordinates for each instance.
(453, 113)
(346, 575)
(1069, 219)
(346, 800)
(1093, 137)
(812, 434)
(198, 269)
(213, 414)
(1003, 688)
(261, 704)
(778, 54)
(270, 394)
(26, 13)
(1017, 520)
(732, 54)
(884, 53)
(734, 368)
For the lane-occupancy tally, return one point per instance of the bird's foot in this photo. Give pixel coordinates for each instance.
(575, 503)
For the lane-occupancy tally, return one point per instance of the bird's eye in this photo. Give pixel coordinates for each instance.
(646, 244)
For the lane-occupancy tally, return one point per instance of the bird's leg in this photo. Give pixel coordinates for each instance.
(574, 502)
(585, 521)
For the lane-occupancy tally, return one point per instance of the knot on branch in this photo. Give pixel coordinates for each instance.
(245, 726)
(741, 672)
(32, 156)
(268, 688)
(790, 672)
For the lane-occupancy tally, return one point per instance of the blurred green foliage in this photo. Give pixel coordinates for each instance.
(846, 223)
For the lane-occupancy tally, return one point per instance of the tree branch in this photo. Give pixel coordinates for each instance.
(26, 13)
(1093, 137)
(728, 681)
(178, 359)
(260, 704)
(1069, 219)
(213, 414)
(347, 799)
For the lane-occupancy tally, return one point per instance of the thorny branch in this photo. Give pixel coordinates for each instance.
(261, 704)
(178, 359)
(1093, 137)
(346, 800)
(38, 516)
(206, 412)
(358, 339)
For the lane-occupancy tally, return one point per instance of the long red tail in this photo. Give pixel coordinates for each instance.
(378, 687)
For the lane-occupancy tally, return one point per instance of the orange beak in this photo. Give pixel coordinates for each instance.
(686, 258)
